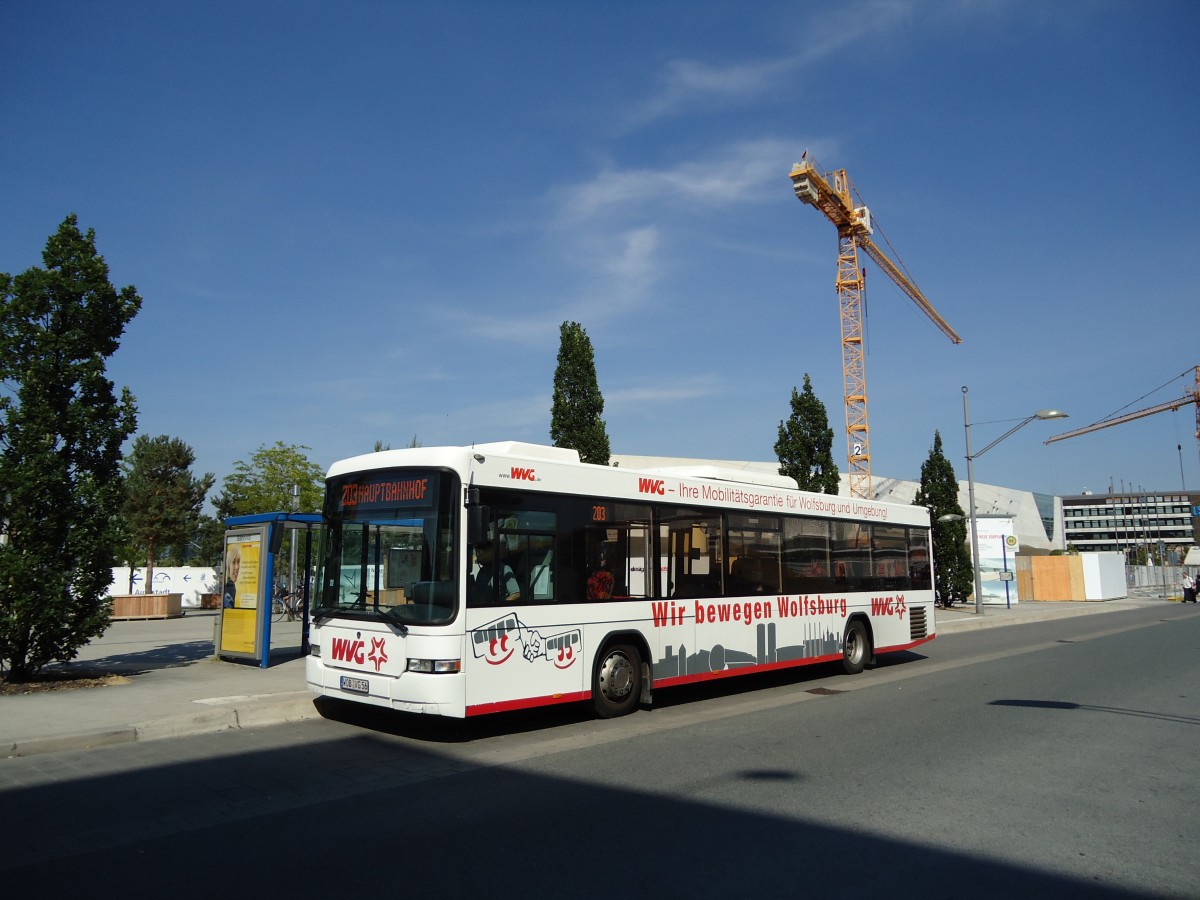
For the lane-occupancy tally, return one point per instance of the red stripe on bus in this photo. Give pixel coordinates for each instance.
(908, 646)
(480, 709)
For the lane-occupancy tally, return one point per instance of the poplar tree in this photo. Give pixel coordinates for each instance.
(61, 430)
(805, 443)
(575, 415)
(953, 574)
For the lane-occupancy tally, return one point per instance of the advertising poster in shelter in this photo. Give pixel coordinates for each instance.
(998, 548)
(242, 594)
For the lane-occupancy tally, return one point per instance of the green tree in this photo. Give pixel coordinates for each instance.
(953, 574)
(805, 443)
(61, 430)
(575, 414)
(207, 541)
(264, 484)
(380, 446)
(162, 497)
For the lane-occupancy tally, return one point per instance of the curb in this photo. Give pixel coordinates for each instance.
(971, 622)
(34, 746)
(230, 713)
(283, 708)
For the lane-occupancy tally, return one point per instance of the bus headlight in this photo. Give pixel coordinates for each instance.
(314, 650)
(434, 666)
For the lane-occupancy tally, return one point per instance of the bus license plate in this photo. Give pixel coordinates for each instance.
(357, 685)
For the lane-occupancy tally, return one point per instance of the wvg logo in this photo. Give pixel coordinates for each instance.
(651, 486)
(346, 650)
(516, 473)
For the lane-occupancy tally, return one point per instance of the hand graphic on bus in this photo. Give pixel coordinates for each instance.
(533, 645)
(497, 641)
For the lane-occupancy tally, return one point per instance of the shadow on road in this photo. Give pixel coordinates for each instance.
(1088, 707)
(437, 820)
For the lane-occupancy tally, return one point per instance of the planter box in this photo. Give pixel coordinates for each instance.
(147, 606)
(210, 601)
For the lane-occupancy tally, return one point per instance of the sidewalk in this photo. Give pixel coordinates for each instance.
(170, 686)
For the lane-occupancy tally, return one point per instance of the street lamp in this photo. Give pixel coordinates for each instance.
(971, 457)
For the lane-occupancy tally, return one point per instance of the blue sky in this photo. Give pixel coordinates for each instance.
(356, 221)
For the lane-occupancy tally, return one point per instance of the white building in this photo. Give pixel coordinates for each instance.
(1037, 518)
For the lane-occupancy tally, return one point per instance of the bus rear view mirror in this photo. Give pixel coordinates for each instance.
(477, 524)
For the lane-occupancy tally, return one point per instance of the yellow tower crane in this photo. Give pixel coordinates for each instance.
(1188, 397)
(830, 193)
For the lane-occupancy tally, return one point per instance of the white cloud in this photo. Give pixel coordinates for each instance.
(607, 274)
(743, 172)
(685, 84)
(635, 262)
(609, 237)
(693, 388)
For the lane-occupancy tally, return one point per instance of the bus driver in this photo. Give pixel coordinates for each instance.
(486, 577)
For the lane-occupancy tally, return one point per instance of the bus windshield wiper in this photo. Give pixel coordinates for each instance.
(392, 615)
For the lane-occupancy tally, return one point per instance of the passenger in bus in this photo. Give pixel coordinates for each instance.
(600, 585)
(600, 582)
(492, 572)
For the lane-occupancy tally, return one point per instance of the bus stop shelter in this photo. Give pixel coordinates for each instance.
(251, 569)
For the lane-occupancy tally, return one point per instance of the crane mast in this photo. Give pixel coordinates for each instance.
(830, 193)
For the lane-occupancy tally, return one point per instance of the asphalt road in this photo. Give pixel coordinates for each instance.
(1056, 760)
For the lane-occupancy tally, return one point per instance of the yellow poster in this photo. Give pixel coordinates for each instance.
(238, 629)
(239, 617)
(247, 581)
(242, 555)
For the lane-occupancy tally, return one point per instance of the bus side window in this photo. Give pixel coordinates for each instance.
(755, 560)
(693, 545)
(617, 553)
(539, 573)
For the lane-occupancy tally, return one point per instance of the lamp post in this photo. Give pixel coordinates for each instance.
(971, 457)
(293, 597)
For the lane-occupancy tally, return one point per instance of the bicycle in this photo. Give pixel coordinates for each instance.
(280, 605)
(284, 603)
(294, 605)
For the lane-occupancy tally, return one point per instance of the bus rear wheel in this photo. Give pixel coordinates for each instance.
(856, 647)
(617, 684)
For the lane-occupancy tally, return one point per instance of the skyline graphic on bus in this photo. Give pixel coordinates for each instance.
(720, 658)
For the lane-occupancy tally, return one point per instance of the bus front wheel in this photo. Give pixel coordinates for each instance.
(856, 648)
(617, 684)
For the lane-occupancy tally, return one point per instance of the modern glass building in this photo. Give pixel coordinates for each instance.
(1142, 524)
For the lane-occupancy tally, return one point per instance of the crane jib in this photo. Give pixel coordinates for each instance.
(831, 193)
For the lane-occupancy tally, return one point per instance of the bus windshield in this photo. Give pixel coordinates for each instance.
(388, 547)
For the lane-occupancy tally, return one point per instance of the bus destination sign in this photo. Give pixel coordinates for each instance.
(390, 492)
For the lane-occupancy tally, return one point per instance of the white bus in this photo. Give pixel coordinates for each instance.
(470, 580)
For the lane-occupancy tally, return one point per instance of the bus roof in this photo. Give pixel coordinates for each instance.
(725, 473)
(541, 468)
